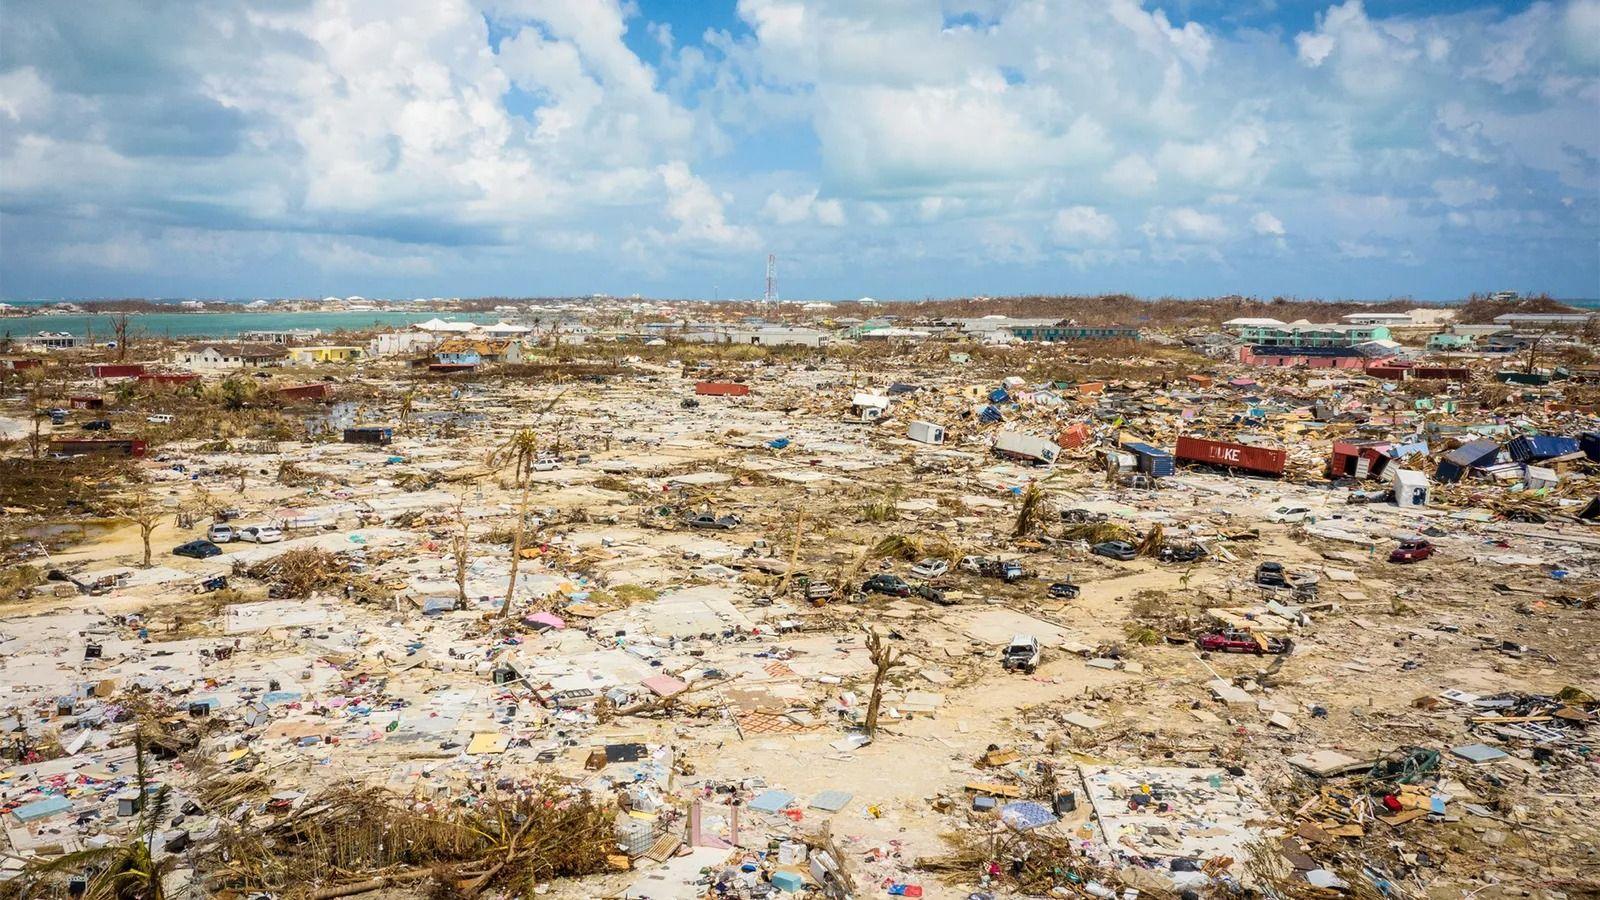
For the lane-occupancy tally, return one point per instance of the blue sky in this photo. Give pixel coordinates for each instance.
(899, 148)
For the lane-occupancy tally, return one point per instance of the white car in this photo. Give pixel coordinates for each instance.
(547, 465)
(259, 534)
(159, 419)
(1288, 514)
(219, 533)
(1021, 654)
(930, 568)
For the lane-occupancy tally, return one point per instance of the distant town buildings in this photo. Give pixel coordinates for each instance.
(1059, 332)
(1303, 335)
(288, 336)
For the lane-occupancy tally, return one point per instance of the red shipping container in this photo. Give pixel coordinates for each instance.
(1388, 373)
(1233, 456)
(319, 391)
(1073, 436)
(721, 388)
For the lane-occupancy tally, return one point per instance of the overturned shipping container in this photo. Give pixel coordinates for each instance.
(1260, 460)
(1026, 447)
(1472, 455)
(1154, 462)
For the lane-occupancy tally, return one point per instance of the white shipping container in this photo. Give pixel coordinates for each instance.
(1026, 446)
(925, 432)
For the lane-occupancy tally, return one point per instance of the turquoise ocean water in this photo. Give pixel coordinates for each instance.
(228, 324)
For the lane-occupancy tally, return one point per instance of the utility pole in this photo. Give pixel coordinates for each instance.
(772, 283)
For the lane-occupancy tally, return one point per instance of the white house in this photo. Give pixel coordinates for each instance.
(402, 343)
(779, 336)
(229, 357)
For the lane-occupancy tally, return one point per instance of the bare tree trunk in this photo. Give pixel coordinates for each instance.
(516, 546)
(459, 546)
(119, 327)
(794, 554)
(883, 659)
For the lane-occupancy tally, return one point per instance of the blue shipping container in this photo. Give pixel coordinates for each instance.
(1541, 446)
(1591, 445)
(1152, 461)
(1467, 456)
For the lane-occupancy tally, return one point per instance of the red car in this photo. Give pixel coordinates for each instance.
(1242, 642)
(1411, 551)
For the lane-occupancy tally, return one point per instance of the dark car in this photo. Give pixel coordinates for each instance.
(1115, 549)
(1063, 590)
(1242, 642)
(97, 425)
(931, 594)
(1411, 551)
(197, 550)
(893, 585)
(1271, 574)
(1182, 552)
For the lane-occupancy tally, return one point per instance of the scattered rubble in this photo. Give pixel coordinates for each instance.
(730, 625)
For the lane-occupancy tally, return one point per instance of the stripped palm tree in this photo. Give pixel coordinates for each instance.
(406, 402)
(521, 451)
(127, 871)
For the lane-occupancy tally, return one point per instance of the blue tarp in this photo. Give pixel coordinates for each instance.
(771, 801)
(1025, 814)
(41, 809)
